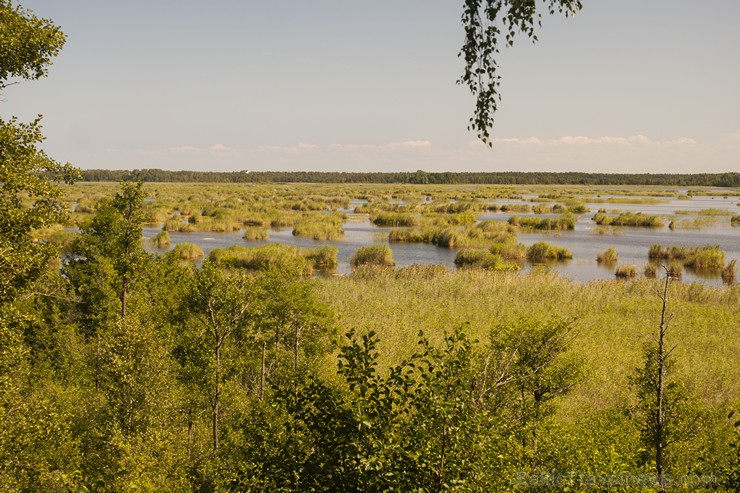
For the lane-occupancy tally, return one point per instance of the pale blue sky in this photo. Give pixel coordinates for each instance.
(624, 86)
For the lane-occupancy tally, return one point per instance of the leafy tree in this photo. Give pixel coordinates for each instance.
(488, 24)
(27, 43)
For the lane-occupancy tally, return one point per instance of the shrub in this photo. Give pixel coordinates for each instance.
(542, 251)
(608, 256)
(626, 271)
(380, 255)
(187, 251)
(161, 239)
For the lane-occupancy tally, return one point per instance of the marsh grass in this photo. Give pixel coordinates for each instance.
(628, 219)
(320, 227)
(626, 271)
(256, 234)
(561, 223)
(160, 240)
(612, 320)
(608, 256)
(482, 259)
(286, 257)
(373, 255)
(187, 251)
(729, 271)
(543, 251)
(708, 257)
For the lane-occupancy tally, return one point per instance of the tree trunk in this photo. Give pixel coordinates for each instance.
(659, 417)
(217, 397)
(262, 370)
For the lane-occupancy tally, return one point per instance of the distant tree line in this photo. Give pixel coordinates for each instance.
(417, 177)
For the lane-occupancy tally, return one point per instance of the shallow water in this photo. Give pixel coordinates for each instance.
(584, 242)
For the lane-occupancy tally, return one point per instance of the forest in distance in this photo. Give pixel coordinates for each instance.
(418, 177)
(133, 368)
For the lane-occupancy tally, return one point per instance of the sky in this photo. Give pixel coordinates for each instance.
(628, 86)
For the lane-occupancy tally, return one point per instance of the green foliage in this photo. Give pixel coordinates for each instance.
(264, 257)
(488, 24)
(27, 45)
(30, 200)
(256, 234)
(378, 255)
(320, 227)
(708, 257)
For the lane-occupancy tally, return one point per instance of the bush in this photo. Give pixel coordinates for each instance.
(608, 256)
(380, 255)
(542, 251)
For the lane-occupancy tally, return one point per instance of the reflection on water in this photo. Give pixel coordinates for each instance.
(584, 242)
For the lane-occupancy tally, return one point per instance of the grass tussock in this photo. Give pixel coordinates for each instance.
(628, 219)
(543, 251)
(728, 273)
(160, 240)
(626, 271)
(608, 256)
(187, 251)
(255, 233)
(320, 227)
(561, 223)
(708, 257)
(373, 255)
(482, 259)
(274, 255)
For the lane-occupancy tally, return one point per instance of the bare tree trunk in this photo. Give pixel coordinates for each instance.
(124, 293)
(262, 370)
(659, 417)
(217, 397)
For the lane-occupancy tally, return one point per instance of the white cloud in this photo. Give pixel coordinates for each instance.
(184, 149)
(220, 148)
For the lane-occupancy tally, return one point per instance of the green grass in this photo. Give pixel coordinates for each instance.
(708, 257)
(320, 227)
(264, 257)
(256, 233)
(161, 240)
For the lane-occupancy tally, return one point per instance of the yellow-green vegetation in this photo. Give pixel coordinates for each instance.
(320, 226)
(187, 251)
(650, 270)
(563, 222)
(256, 233)
(608, 256)
(543, 251)
(735, 220)
(705, 212)
(728, 273)
(275, 255)
(626, 271)
(708, 257)
(628, 219)
(373, 255)
(482, 259)
(695, 223)
(395, 219)
(161, 239)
